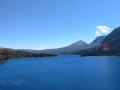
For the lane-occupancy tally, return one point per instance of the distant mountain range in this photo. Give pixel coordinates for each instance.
(70, 49)
(109, 46)
(102, 45)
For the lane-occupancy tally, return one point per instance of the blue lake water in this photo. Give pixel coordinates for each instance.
(66, 72)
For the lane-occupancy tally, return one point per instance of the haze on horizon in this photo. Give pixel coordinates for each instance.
(44, 24)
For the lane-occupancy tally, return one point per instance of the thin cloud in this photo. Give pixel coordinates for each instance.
(72, 34)
(102, 30)
(50, 35)
(61, 31)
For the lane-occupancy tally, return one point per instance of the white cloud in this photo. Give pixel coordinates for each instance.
(102, 30)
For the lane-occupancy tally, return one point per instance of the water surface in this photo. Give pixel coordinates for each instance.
(66, 72)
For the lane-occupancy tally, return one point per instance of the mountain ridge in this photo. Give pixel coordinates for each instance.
(109, 46)
(70, 49)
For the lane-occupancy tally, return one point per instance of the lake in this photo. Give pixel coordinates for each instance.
(66, 72)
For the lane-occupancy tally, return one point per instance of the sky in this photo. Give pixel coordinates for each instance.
(45, 24)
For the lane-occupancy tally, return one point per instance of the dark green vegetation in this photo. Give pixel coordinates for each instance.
(110, 46)
(6, 53)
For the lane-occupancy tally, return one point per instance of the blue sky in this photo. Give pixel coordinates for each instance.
(43, 24)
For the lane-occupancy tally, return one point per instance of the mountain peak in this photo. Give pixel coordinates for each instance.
(79, 43)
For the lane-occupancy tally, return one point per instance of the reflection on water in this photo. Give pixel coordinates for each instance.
(66, 72)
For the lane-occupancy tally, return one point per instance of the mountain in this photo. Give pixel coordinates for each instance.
(79, 45)
(98, 40)
(109, 46)
(71, 49)
(112, 40)
(94, 43)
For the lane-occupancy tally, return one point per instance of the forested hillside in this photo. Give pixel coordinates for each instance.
(6, 53)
